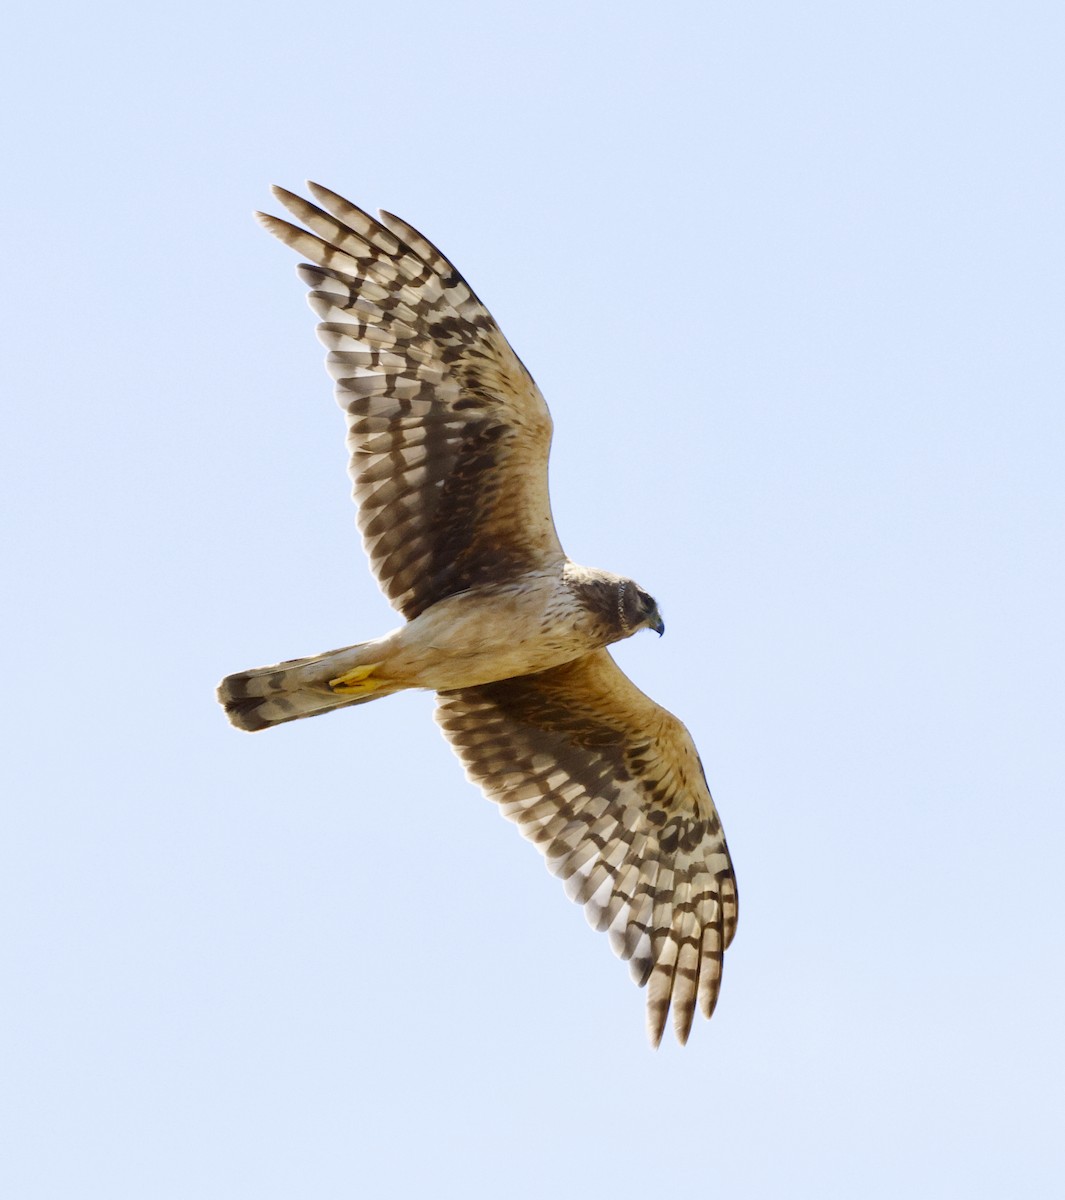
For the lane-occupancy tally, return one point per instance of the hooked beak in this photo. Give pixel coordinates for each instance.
(657, 624)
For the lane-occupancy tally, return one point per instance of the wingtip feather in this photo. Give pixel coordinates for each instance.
(656, 1026)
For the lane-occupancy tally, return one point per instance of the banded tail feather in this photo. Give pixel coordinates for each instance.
(302, 687)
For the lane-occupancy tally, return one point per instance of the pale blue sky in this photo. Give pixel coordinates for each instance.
(791, 278)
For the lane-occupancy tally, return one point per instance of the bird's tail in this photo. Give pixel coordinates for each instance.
(304, 687)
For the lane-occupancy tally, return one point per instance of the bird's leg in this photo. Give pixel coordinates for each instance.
(357, 682)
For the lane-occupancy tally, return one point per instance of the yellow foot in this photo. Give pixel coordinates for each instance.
(357, 681)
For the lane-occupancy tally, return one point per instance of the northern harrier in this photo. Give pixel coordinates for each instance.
(449, 438)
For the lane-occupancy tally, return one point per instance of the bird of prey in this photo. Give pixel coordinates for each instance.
(449, 439)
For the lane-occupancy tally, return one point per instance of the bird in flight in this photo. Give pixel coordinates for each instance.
(449, 439)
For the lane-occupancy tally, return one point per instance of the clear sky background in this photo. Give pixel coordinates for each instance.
(791, 279)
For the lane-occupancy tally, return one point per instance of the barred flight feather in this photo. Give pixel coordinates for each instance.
(423, 360)
(668, 909)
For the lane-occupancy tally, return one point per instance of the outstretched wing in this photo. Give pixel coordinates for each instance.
(448, 433)
(610, 787)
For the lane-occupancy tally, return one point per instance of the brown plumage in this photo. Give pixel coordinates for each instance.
(449, 439)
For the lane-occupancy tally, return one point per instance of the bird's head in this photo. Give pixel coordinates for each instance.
(637, 610)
